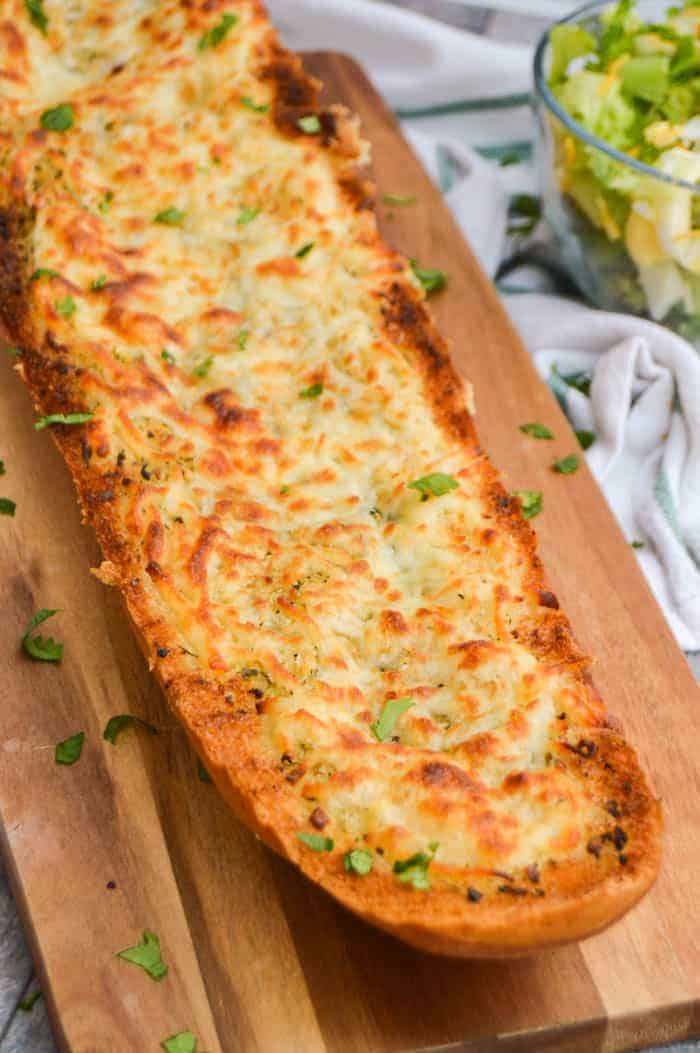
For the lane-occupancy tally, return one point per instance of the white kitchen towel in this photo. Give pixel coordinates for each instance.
(464, 101)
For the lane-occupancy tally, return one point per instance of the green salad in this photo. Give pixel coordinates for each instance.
(635, 85)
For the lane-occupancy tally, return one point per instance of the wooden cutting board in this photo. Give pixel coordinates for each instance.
(259, 959)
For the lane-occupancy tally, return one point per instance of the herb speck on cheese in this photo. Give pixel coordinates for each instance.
(58, 119)
(217, 33)
(310, 124)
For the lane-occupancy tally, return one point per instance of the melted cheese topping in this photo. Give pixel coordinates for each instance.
(278, 530)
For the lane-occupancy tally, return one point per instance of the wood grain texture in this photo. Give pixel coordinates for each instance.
(260, 961)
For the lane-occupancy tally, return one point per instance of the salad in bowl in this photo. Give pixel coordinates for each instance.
(618, 104)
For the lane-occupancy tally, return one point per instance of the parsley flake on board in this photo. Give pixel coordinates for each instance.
(585, 439)
(2, 467)
(7, 507)
(358, 861)
(44, 649)
(566, 465)
(256, 107)
(146, 955)
(312, 392)
(170, 217)
(383, 727)
(202, 772)
(217, 33)
(247, 215)
(58, 119)
(28, 1003)
(35, 10)
(637, 544)
(68, 751)
(304, 250)
(309, 124)
(66, 307)
(399, 200)
(530, 502)
(536, 430)
(115, 726)
(62, 418)
(414, 870)
(433, 485)
(431, 278)
(317, 842)
(182, 1042)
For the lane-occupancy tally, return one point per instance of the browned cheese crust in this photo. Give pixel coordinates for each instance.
(259, 411)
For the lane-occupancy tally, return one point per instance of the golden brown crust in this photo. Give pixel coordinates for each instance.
(512, 913)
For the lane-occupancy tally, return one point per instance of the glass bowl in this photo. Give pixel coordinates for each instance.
(637, 250)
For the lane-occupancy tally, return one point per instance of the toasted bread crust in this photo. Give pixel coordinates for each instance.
(515, 914)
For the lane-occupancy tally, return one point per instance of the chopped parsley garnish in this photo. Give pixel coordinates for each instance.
(16, 352)
(217, 33)
(62, 418)
(106, 201)
(525, 211)
(431, 278)
(202, 772)
(585, 439)
(203, 368)
(312, 392)
(98, 283)
(304, 250)
(284, 489)
(358, 861)
(637, 544)
(171, 217)
(146, 955)
(309, 124)
(58, 119)
(383, 727)
(167, 357)
(44, 649)
(317, 842)
(115, 726)
(434, 485)
(414, 870)
(247, 215)
(66, 307)
(536, 430)
(68, 751)
(530, 501)
(256, 107)
(7, 507)
(399, 200)
(566, 465)
(242, 338)
(35, 10)
(43, 272)
(578, 381)
(28, 1003)
(182, 1042)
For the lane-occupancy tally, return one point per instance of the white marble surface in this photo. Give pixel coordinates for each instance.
(29, 1032)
